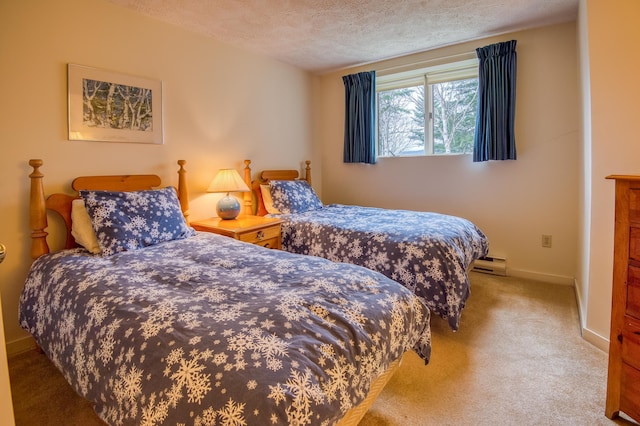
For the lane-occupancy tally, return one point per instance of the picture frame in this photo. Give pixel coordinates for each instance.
(112, 107)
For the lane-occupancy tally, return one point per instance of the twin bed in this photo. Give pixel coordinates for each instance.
(428, 253)
(154, 323)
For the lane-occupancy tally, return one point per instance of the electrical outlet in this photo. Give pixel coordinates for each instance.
(546, 241)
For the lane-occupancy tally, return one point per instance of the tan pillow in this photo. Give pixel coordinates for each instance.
(266, 198)
(81, 228)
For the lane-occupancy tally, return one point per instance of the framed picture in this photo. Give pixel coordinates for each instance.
(113, 107)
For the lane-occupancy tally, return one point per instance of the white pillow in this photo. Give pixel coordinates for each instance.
(268, 201)
(81, 228)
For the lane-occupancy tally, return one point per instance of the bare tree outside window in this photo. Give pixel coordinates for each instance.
(435, 118)
(454, 116)
(399, 130)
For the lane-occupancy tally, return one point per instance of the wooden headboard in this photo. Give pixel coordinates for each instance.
(61, 203)
(264, 177)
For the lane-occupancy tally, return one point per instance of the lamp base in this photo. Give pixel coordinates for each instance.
(228, 207)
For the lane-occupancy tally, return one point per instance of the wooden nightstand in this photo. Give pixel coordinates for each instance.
(263, 231)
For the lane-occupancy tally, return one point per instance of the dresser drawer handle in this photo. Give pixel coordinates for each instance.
(260, 235)
(267, 245)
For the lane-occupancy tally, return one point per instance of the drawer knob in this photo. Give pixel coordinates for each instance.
(260, 235)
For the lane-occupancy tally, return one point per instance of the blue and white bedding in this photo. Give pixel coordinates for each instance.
(429, 253)
(207, 330)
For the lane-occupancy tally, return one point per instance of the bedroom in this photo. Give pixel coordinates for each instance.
(212, 91)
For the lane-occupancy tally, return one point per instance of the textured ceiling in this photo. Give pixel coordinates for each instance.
(324, 35)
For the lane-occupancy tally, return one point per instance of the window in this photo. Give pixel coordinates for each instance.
(430, 111)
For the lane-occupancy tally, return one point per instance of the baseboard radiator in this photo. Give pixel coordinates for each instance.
(490, 265)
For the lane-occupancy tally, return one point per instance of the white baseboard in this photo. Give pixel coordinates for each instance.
(595, 339)
(21, 345)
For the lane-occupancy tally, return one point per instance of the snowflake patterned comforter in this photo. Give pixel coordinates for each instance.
(209, 330)
(429, 253)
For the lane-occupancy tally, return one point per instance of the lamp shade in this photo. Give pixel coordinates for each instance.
(228, 180)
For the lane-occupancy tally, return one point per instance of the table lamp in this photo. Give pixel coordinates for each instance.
(228, 180)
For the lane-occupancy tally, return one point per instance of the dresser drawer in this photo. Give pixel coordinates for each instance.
(630, 395)
(634, 243)
(634, 205)
(633, 292)
(631, 342)
(256, 237)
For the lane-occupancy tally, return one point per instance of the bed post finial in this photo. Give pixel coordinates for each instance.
(247, 207)
(307, 174)
(37, 212)
(183, 192)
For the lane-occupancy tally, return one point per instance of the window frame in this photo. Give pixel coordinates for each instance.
(447, 70)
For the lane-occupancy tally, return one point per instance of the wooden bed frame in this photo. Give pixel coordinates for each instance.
(61, 203)
(263, 179)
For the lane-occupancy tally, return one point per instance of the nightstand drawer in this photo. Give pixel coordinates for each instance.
(262, 235)
(272, 243)
(262, 231)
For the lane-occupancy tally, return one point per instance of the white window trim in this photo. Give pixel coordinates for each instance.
(459, 70)
(433, 74)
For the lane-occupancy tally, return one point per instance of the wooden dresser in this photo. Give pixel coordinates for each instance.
(623, 384)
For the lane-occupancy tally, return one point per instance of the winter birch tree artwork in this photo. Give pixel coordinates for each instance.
(116, 106)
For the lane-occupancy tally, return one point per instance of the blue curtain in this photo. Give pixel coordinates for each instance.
(360, 118)
(494, 137)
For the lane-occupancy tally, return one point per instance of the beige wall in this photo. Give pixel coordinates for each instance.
(609, 49)
(221, 105)
(514, 202)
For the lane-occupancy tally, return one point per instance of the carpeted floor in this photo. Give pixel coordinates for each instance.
(518, 359)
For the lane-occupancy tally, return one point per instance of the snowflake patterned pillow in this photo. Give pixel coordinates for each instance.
(294, 196)
(131, 220)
